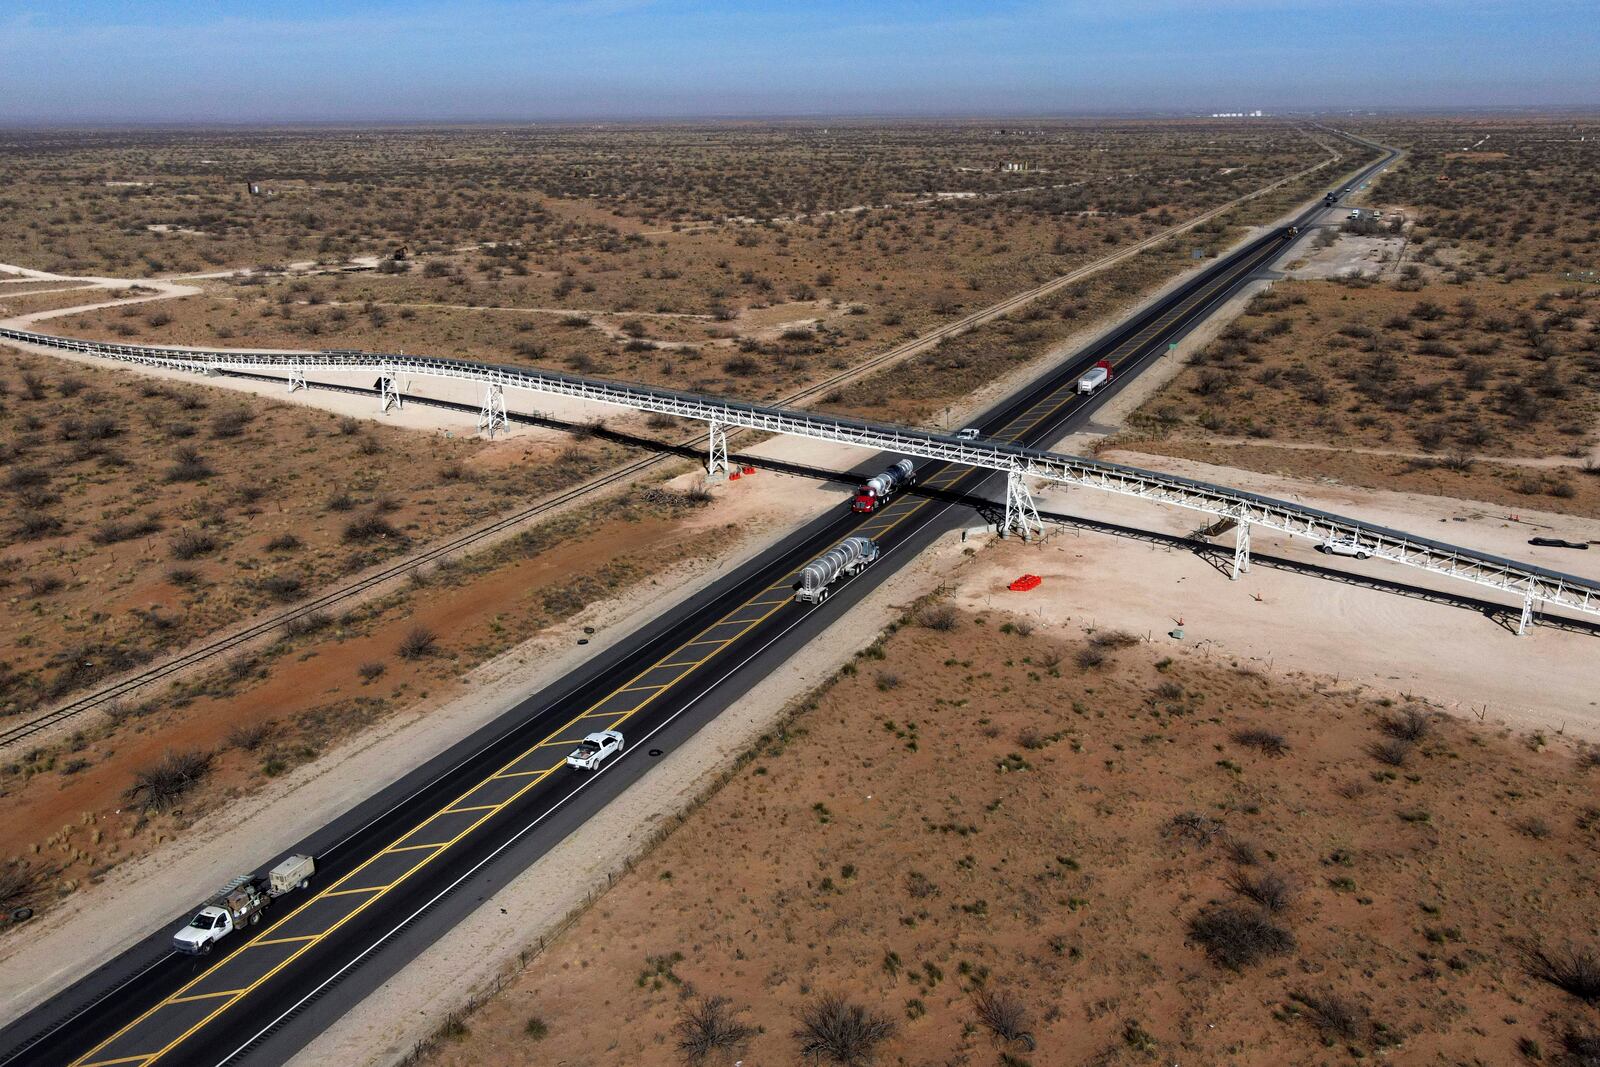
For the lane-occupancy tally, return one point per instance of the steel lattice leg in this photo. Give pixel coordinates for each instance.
(389, 393)
(1020, 512)
(492, 416)
(1526, 623)
(1241, 552)
(297, 379)
(716, 450)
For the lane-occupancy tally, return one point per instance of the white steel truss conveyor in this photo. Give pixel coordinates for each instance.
(1536, 587)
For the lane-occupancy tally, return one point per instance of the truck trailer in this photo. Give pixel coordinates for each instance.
(880, 488)
(1098, 375)
(845, 559)
(240, 903)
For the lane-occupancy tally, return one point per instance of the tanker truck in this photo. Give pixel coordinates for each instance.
(881, 487)
(845, 559)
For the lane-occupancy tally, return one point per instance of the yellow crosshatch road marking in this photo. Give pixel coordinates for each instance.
(138, 1042)
(206, 996)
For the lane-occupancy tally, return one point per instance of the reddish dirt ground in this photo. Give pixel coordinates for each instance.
(98, 584)
(66, 809)
(982, 809)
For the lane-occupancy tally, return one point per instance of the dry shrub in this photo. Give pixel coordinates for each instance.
(191, 544)
(940, 617)
(370, 528)
(1410, 725)
(1112, 639)
(1242, 852)
(116, 531)
(1574, 969)
(1392, 751)
(160, 787)
(32, 525)
(708, 1025)
(18, 883)
(188, 465)
(419, 642)
(282, 587)
(1581, 1047)
(1335, 1018)
(833, 1029)
(306, 623)
(1268, 889)
(1003, 1015)
(1236, 937)
(249, 737)
(1266, 741)
(231, 423)
(1191, 825)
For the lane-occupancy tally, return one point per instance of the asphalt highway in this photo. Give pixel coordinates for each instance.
(402, 868)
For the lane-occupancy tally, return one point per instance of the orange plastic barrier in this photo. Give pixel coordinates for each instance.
(1025, 583)
(749, 470)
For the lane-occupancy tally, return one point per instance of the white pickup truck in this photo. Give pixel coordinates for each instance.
(595, 750)
(240, 903)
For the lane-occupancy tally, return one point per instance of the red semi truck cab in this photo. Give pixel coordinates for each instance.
(881, 487)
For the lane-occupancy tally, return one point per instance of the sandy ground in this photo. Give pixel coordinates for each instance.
(1547, 680)
(1533, 462)
(1351, 254)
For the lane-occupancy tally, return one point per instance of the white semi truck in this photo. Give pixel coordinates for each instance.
(240, 903)
(849, 557)
(1094, 378)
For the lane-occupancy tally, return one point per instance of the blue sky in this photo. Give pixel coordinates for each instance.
(333, 60)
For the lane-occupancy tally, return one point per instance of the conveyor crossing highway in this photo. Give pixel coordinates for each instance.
(400, 869)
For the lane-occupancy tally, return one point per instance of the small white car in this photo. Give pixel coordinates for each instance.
(595, 750)
(1344, 546)
(970, 433)
(1356, 214)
